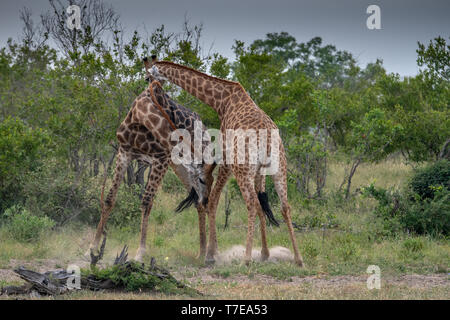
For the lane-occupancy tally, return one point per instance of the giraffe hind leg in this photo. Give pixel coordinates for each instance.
(279, 180)
(260, 187)
(155, 176)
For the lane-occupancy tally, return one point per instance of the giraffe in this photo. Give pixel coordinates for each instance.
(145, 135)
(236, 110)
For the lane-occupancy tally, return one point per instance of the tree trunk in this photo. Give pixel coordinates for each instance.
(355, 165)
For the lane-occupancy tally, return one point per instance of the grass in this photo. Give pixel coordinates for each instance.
(352, 241)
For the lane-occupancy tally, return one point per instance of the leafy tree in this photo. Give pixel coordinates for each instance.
(21, 150)
(436, 58)
(371, 140)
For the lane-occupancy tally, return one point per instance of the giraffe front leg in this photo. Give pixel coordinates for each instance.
(202, 231)
(122, 162)
(222, 178)
(155, 176)
(247, 187)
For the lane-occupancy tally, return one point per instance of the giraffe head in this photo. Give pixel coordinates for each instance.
(200, 179)
(152, 72)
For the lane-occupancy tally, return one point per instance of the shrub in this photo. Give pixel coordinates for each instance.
(429, 216)
(61, 195)
(127, 210)
(408, 211)
(413, 245)
(20, 153)
(434, 175)
(23, 226)
(412, 248)
(346, 246)
(171, 183)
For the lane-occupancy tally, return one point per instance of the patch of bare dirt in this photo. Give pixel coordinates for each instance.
(412, 281)
(204, 276)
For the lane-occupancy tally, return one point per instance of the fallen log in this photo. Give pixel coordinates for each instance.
(122, 275)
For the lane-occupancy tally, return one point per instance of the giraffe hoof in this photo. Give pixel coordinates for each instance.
(264, 256)
(300, 263)
(210, 261)
(200, 256)
(139, 257)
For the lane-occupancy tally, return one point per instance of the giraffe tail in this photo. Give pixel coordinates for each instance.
(264, 201)
(186, 203)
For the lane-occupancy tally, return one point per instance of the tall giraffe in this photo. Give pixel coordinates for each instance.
(236, 110)
(145, 135)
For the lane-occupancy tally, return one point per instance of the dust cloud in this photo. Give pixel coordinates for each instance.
(237, 253)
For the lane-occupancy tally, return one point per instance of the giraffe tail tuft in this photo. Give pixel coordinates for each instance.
(264, 201)
(186, 203)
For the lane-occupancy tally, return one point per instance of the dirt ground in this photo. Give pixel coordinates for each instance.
(435, 286)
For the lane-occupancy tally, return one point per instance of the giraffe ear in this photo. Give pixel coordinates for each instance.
(146, 64)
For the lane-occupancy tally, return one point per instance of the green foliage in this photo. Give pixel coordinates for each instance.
(346, 247)
(23, 226)
(21, 150)
(134, 276)
(426, 181)
(171, 183)
(412, 248)
(431, 216)
(320, 219)
(424, 132)
(436, 57)
(127, 211)
(373, 137)
(407, 211)
(62, 195)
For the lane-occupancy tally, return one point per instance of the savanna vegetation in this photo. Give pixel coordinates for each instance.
(369, 168)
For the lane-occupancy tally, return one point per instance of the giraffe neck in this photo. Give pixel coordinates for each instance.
(215, 92)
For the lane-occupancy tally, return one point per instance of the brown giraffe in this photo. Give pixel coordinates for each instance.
(145, 135)
(236, 110)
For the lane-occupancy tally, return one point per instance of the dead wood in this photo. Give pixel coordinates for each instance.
(59, 282)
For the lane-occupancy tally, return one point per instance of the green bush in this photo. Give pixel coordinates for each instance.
(317, 219)
(127, 210)
(20, 152)
(434, 175)
(61, 195)
(23, 226)
(429, 216)
(412, 248)
(171, 183)
(408, 211)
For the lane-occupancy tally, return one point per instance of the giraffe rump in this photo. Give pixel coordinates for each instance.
(264, 201)
(186, 203)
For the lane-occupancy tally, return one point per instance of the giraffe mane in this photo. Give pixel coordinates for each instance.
(179, 66)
